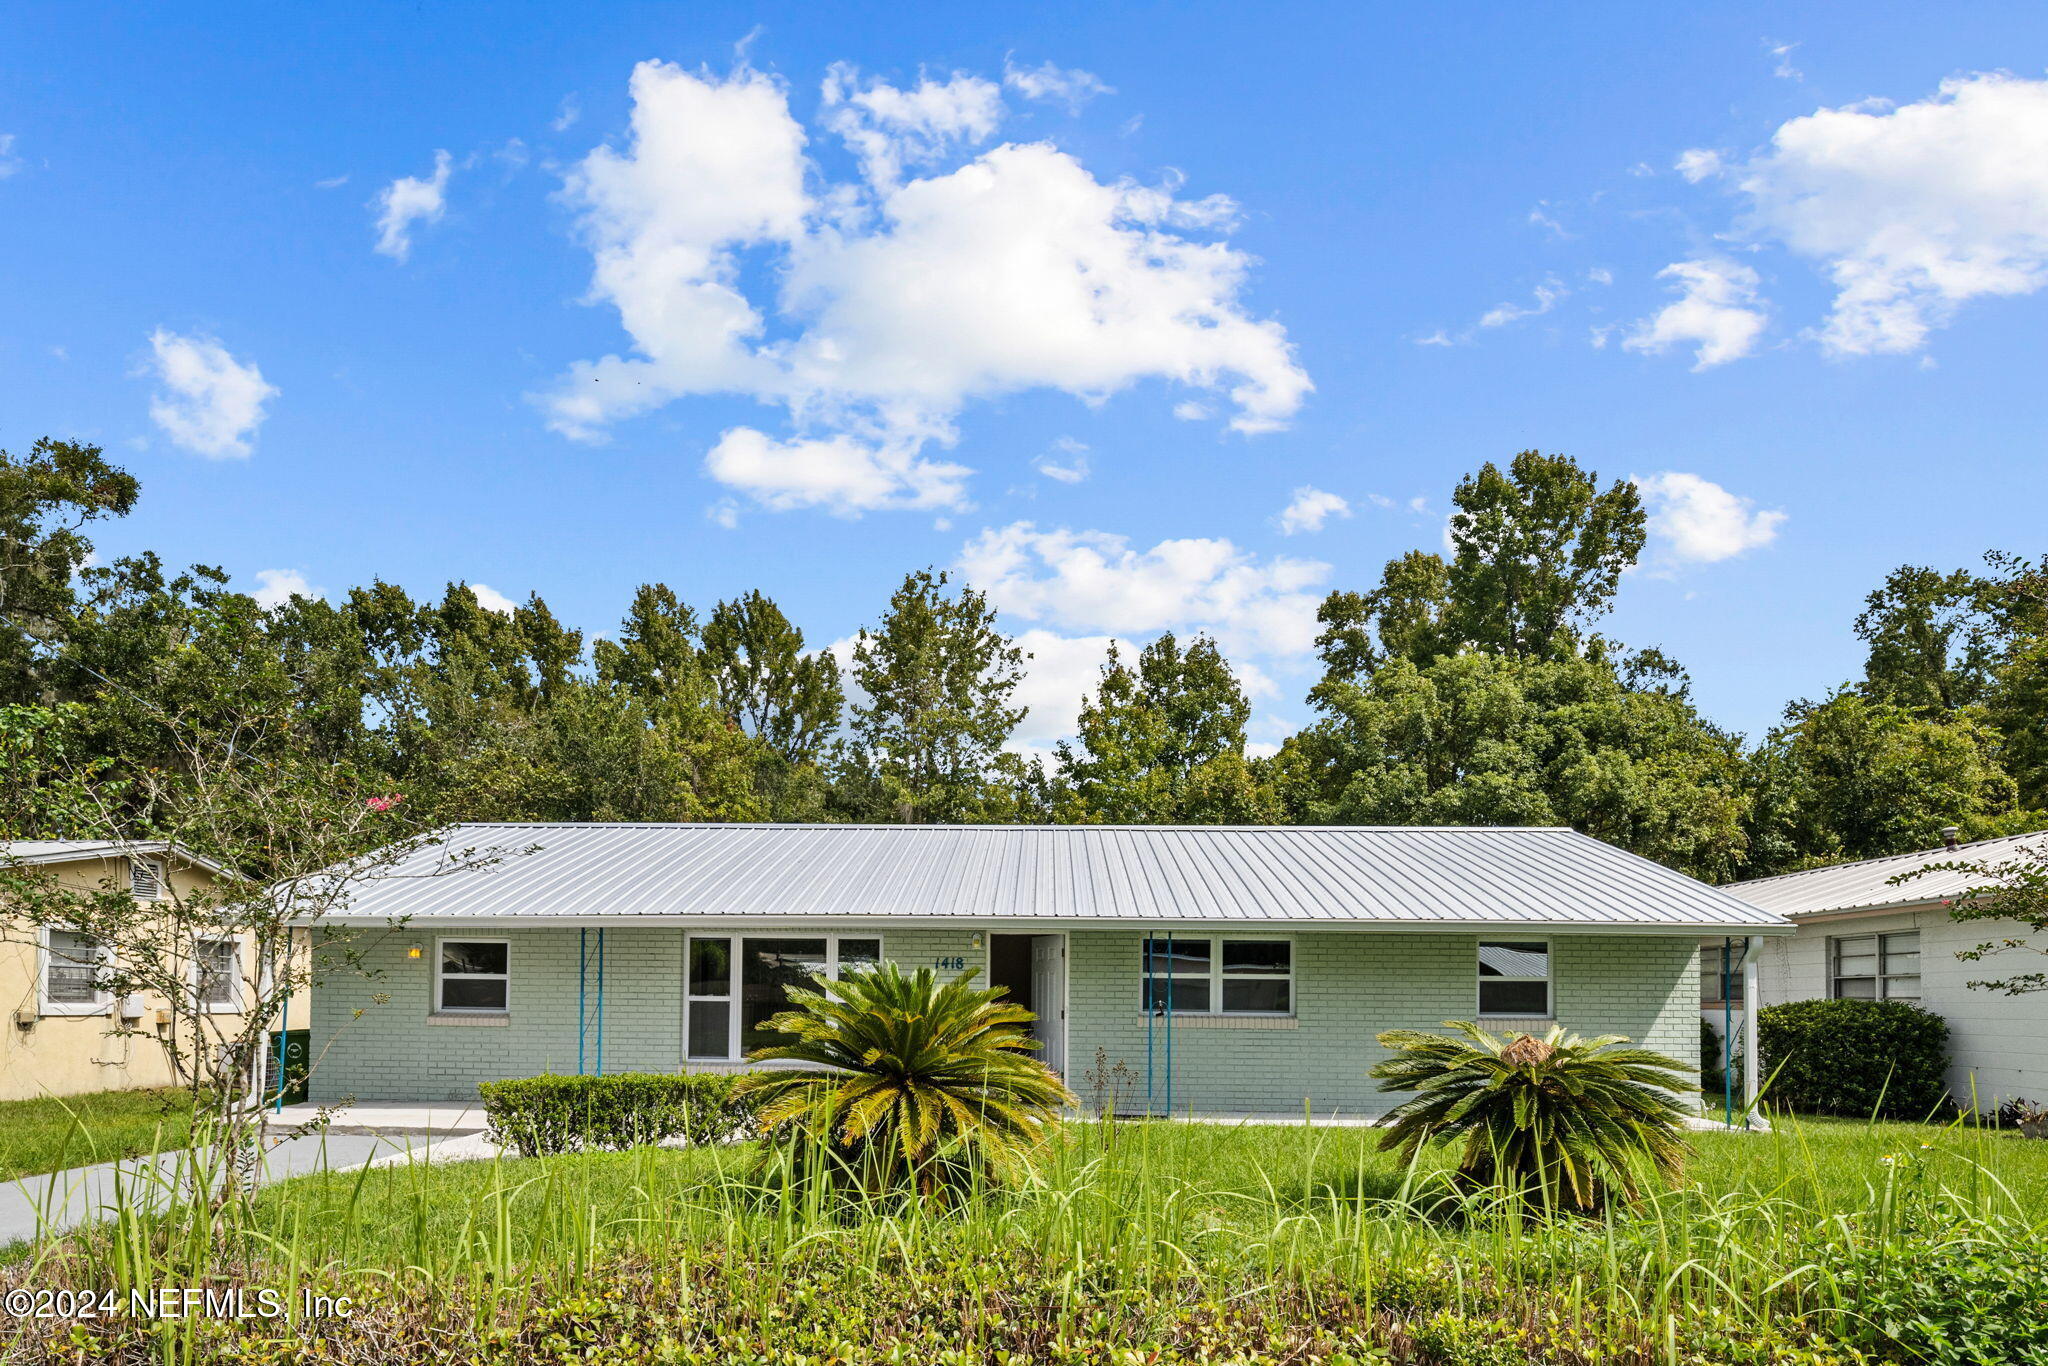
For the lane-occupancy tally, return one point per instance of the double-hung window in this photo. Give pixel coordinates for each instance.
(1198, 975)
(1875, 967)
(1514, 977)
(74, 968)
(738, 982)
(473, 976)
(216, 974)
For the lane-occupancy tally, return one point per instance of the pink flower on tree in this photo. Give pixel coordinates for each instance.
(385, 803)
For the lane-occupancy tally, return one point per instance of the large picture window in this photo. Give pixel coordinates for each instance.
(1514, 977)
(1204, 976)
(736, 983)
(1875, 967)
(473, 976)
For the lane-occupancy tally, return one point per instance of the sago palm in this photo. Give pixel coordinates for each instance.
(908, 1080)
(1557, 1120)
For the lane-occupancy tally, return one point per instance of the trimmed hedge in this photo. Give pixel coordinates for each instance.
(557, 1114)
(1857, 1058)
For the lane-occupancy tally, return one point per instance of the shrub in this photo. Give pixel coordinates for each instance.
(556, 1114)
(1956, 1296)
(1556, 1120)
(909, 1083)
(1858, 1058)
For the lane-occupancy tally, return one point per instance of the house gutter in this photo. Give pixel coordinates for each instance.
(1049, 923)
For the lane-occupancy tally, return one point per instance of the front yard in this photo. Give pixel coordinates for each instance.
(55, 1132)
(1138, 1242)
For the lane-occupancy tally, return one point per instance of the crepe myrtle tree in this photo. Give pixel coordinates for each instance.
(291, 839)
(2006, 891)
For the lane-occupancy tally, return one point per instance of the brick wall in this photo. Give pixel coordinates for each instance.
(396, 1049)
(1350, 986)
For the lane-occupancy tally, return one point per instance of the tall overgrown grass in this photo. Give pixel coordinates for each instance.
(1198, 1241)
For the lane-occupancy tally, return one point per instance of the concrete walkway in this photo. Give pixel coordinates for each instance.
(387, 1117)
(34, 1206)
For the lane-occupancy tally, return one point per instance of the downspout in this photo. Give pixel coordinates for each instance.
(582, 994)
(1727, 1037)
(600, 1000)
(1752, 1002)
(1151, 1015)
(1170, 965)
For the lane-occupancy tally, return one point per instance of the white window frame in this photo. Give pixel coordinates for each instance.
(1549, 980)
(103, 1000)
(1216, 976)
(1882, 978)
(154, 868)
(440, 977)
(734, 940)
(231, 1006)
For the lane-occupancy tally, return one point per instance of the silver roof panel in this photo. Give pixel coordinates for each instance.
(1303, 875)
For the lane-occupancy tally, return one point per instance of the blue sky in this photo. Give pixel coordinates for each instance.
(1078, 300)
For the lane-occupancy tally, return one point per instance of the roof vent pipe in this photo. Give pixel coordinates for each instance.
(1948, 836)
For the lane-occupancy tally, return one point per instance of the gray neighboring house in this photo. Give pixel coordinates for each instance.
(1211, 969)
(1863, 935)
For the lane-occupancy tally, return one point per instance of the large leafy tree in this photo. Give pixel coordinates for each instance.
(1489, 739)
(1163, 743)
(1538, 550)
(1931, 645)
(47, 498)
(1850, 778)
(937, 676)
(765, 681)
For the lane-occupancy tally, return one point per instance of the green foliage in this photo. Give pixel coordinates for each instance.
(46, 790)
(1557, 1121)
(1485, 739)
(906, 1081)
(1959, 1296)
(2003, 892)
(1930, 644)
(1850, 778)
(1858, 1058)
(767, 683)
(535, 1116)
(937, 676)
(1537, 553)
(1163, 743)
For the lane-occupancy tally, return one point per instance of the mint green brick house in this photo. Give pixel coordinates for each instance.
(1206, 969)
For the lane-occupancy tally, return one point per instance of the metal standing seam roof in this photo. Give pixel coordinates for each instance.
(1297, 875)
(1867, 883)
(67, 851)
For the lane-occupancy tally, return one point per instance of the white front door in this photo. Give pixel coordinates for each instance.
(1049, 996)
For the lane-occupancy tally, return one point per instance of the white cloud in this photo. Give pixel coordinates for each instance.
(841, 474)
(1545, 297)
(889, 128)
(566, 114)
(408, 200)
(1782, 67)
(1309, 509)
(894, 304)
(1699, 163)
(491, 600)
(276, 587)
(1696, 521)
(333, 182)
(1067, 462)
(1914, 210)
(1094, 581)
(1070, 87)
(1599, 275)
(9, 163)
(207, 401)
(1061, 671)
(1717, 312)
(1540, 217)
(725, 513)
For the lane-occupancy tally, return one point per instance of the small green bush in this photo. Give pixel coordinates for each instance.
(1956, 1296)
(1855, 1058)
(559, 1114)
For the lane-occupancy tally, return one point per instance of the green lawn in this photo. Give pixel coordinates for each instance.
(1189, 1241)
(53, 1133)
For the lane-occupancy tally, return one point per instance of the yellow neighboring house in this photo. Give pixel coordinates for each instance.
(63, 1035)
